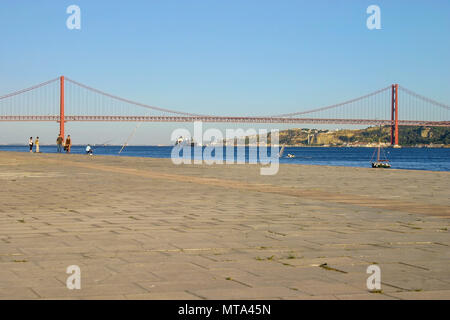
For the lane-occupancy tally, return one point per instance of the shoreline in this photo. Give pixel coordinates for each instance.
(279, 146)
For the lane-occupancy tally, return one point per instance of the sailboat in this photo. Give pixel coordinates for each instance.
(380, 163)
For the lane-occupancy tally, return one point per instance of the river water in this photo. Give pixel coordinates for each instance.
(434, 159)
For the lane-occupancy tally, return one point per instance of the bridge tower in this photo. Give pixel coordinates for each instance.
(61, 107)
(394, 116)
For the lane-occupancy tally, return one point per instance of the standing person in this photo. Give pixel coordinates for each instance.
(59, 142)
(30, 144)
(68, 144)
(37, 144)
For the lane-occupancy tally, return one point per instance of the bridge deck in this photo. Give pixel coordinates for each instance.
(224, 119)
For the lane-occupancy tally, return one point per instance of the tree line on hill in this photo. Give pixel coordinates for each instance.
(408, 136)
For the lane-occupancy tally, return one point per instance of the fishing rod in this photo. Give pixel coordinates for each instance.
(103, 144)
(95, 146)
(130, 136)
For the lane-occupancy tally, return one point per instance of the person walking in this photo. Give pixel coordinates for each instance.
(59, 142)
(68, 144)
(37, 144)
(30, 144)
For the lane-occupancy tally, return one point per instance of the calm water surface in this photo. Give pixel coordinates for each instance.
(404, 158)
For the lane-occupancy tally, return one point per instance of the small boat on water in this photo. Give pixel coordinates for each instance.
(384, 165)
(380, 163)
(280, 154)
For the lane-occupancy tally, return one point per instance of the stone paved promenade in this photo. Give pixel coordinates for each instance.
(147, 229)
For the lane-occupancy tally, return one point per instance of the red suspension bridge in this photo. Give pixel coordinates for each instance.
(63, 99)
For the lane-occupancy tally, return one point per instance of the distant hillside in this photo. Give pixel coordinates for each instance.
(408, 136)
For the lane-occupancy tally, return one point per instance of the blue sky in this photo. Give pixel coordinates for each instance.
(221, 57)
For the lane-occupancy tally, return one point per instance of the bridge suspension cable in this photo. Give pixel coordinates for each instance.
(9, 95)
(425, 99)
(332, 106)
(130, 101)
